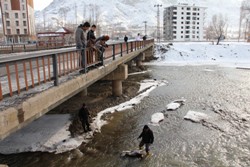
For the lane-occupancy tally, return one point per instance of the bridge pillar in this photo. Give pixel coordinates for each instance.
(83, 93)
(139, 59)
(117, 76)
(149, 53)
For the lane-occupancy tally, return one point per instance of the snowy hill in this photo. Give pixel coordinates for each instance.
(129, 12)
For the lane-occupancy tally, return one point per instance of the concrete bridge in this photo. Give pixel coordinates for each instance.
(22, 73)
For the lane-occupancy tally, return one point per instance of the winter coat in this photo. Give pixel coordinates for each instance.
(84, 113)
(147, 136)
(126, 39)
(91, 35)
(80, 38)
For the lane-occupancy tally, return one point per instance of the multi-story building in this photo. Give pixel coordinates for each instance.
(184, 22)
(18, 20)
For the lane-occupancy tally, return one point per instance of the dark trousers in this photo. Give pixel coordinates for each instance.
(146, 146)
(85, 125)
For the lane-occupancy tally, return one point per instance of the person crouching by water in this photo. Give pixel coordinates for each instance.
(84, 117)
(147, 138)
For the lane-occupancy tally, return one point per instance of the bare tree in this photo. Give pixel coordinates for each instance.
(218, 27)
(63, 14)
(244, 16)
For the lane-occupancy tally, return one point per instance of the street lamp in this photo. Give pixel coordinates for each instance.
(145, 22)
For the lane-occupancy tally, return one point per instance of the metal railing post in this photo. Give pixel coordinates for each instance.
(12, 48)
(131, 46)
(121, 45)
(113, 51)
(127, 47)
(55, 70)
(24, 48)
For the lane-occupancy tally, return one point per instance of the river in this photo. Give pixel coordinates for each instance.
(222, 141)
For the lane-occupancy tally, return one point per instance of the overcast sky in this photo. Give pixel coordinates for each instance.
(41, 4)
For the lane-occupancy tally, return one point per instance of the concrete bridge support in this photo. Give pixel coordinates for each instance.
(117, 76)
(139, 59)
(83, 93)
(149, 53)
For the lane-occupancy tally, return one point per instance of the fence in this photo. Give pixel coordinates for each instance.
(27, 72)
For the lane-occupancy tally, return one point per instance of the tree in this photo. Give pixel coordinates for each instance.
(218, 27)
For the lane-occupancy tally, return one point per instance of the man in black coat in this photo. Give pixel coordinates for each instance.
(84, 117)
(126, 39)
(147, 138)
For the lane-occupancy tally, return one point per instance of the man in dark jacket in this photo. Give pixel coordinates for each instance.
(147, 138)
(84, 117)
(126, 39)
(91, 36)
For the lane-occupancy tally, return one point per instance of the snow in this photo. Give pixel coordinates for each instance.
(175, 104)
(157, 117)
(229, 54)
(195, 116)
(148, 85)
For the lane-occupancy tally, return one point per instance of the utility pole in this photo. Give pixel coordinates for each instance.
(158, 22)
(145, 22)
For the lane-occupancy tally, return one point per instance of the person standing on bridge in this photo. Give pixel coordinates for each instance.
(91, 36)
(126, 39)
(84, 117)
(100, 46)
(147, 138)
(81, 39)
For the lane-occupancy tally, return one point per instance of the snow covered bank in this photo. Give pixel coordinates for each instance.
(146, 87)
(196, 53)
(50, 133)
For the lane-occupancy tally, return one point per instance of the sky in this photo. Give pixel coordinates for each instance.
(41, 4)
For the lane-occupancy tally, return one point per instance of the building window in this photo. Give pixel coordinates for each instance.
(7, 15)
(182, 8)
(182, 12)
(182, 17)
(181, 27)
(188, 18)
(198, 14)
(17, 23)
(17, 31)
(181, 36)
(182, 22)
(193, 36)
(188, 8)
(198, 23)
(16, 15)
(6, 7)
(24, 15)
(7, 23)
(25, 31)
(188, 13)
(8, 31)
(198, 37)
(198, 28)
(22, 0)
(23, 7)
(24, 23)
(187, 36)
(181, 32)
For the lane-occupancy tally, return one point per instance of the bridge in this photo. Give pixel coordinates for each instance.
(33, 83)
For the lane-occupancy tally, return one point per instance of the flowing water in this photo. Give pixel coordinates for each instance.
(223, 140)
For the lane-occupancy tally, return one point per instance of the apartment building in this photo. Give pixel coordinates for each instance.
(18, 20)
(184, 22)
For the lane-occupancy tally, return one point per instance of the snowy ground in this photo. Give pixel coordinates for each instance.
(230, 54)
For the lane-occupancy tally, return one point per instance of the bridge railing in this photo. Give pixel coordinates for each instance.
(27, 71)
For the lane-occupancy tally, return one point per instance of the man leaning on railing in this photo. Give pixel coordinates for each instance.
(81, 42)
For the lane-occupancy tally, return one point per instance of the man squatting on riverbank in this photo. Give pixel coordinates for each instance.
(147, 138)
(84, 117)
